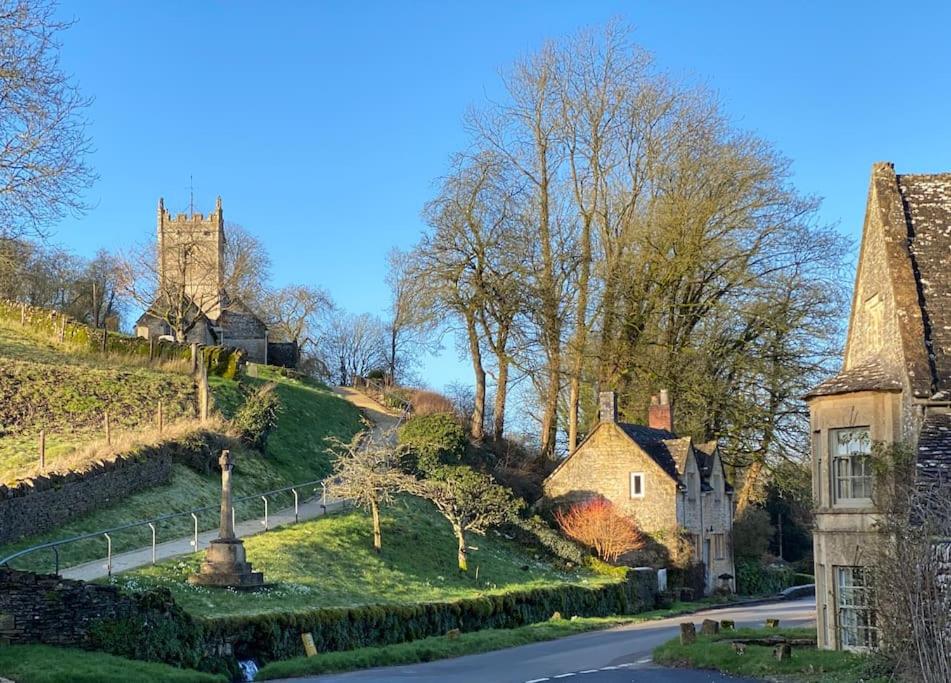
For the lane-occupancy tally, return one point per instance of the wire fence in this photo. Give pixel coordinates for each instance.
(131, 535)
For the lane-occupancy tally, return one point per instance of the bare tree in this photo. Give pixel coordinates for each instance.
(299, 314)
(247, 266)
(910, 564)
(43, 138)
(465, 263)
(366, 471)
(353, 346)
(410, 323)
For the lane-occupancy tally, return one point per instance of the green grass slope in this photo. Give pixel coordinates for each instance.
(46, 664)
(43, 386)
(329, 562)
(807, 665)
(296, 452)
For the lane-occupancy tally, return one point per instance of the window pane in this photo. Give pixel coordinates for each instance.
(851, 466)
(857, 626)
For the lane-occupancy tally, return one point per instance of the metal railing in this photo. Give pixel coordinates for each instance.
(106, 534)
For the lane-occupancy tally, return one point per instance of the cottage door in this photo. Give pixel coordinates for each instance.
(707, 585)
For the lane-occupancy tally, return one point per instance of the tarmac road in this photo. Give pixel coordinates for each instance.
(619, 655)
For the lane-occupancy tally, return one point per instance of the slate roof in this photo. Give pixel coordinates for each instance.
(654, 442)
(872, 375)
(934, 449)
(927, 206)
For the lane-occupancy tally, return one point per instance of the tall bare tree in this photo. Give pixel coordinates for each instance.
(410, 323)
(354, 345)
(43, 138)
(460, 264)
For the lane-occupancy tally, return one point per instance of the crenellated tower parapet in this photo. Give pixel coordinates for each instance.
(191, 253)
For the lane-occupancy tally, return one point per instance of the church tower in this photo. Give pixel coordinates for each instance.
(191, 249)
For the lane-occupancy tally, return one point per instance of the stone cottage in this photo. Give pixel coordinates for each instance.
(894, 386)
(191, 263)
(674, 488)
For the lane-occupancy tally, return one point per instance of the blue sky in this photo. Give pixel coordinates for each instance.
(324, 125)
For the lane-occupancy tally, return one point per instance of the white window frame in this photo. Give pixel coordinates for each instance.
(856, 627)
(642, 479)
(850, 470)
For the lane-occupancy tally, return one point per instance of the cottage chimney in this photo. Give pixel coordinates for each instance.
(661, 414)
(607, 406)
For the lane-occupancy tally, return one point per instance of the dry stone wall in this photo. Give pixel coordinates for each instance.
(37, 608)
(46, 502)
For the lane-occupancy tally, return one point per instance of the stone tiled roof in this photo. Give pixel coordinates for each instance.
(934, 449)
(927, 207)
(871, 375)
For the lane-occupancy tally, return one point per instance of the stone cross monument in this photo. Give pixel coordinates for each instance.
(225, 563)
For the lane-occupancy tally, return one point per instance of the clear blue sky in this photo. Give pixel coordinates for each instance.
(324, 125)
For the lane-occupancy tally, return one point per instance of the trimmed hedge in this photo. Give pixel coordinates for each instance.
(753, 578)
(272, 637)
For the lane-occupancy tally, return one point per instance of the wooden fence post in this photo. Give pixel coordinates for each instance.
(42, 450)
(194, 357)
(108, 428)
(62, 329)
(151, 347)
(104, 337)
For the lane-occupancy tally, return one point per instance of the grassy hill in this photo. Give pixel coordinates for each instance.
(329, 562)
(67, 393)
(296, 452)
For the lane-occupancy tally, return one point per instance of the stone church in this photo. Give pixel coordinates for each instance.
(191, 268)
(894, 386)
(673, 487)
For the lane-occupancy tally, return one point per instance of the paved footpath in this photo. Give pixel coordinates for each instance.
(382, 420)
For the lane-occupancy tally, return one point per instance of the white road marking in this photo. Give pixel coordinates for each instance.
(645, 660)
(588, 671)
(609, 668)
(537, 680)
(564, 675)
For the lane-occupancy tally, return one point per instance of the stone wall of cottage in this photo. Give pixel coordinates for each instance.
(603, 466)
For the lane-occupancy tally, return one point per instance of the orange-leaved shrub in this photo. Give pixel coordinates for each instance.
(429, 402)
(597, 524)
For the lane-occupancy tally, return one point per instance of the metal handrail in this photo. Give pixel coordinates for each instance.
(54, 545)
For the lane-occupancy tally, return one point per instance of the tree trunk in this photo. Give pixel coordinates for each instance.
(477, 422)
(580, 337)
(377, 532)
(550, 414)
(463, 559)
(501, 392)
(750, 479)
